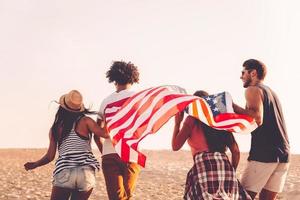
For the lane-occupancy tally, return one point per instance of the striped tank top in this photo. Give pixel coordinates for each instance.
(75, 151)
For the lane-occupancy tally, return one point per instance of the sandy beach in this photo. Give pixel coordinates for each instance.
(163, 178)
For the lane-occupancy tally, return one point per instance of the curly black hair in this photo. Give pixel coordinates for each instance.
(123, 73)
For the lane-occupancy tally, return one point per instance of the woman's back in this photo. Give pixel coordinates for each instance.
(75, 141)
(217, 140)
(70, 134)
(196, 140)
(75, 149)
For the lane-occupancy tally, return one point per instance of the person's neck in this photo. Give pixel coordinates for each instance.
(256, 82)
(122, 87)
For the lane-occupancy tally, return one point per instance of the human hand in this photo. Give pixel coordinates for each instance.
(179, 117)
(30, 166)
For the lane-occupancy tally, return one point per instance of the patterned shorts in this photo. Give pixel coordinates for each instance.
(213, 177)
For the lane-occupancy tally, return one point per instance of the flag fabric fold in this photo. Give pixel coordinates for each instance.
(147, 111)
(217, 112)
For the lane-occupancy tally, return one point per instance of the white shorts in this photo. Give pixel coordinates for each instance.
(269, 176)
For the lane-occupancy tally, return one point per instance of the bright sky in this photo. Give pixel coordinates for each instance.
(50, 47)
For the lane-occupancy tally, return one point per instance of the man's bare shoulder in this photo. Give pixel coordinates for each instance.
(253, 90)
(254, 94)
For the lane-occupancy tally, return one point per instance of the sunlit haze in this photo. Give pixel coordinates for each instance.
(50, 47)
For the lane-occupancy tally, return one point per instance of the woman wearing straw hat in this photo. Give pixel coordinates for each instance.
(75, 167)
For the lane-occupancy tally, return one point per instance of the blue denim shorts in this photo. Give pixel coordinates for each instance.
(80, 178)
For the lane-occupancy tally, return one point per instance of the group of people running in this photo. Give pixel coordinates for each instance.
(213, 175)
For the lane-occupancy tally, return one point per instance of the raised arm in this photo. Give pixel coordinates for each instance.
(179, 135)
(47, 158)
(254, 104)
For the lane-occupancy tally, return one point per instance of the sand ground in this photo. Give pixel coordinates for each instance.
(162, 179)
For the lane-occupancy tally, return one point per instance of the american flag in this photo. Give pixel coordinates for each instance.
(147, 111)
(216, 111)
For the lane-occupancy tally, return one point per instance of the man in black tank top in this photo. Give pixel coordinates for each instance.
(269, 154)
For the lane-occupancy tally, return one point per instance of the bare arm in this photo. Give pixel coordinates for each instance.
(98, 139)
(235, 153)
(179, 136)
(47, 158)
(96, 128)
(254, 104)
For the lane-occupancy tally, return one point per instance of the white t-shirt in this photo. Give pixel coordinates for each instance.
(109, 106)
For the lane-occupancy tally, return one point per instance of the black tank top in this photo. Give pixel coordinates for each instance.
(269, 142)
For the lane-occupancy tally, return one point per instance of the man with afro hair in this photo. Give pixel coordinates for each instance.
(120, 177)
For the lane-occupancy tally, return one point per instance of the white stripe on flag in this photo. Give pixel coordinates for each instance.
(111, 110)
(127, 108)
(147, 114)
(140, 119)
(228, 103)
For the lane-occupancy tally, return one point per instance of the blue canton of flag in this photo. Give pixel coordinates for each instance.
(217, 103)
(217, 111)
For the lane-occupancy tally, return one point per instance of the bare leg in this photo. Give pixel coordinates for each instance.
(252, 194)
(59, 193)
(267, 195)
(83, 195)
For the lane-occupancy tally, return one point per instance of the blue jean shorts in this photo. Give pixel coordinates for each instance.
(79, 178)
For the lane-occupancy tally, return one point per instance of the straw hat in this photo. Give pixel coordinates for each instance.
(72, 101)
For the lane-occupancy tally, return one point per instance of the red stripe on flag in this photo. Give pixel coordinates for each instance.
(143, 111)
(168, 114)
(107, 115)
(144, 125)
(229, 126)
(137, 94)
(133, 108)
(139, 112)
(118, 103)
(125, 150)
(223, 116)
